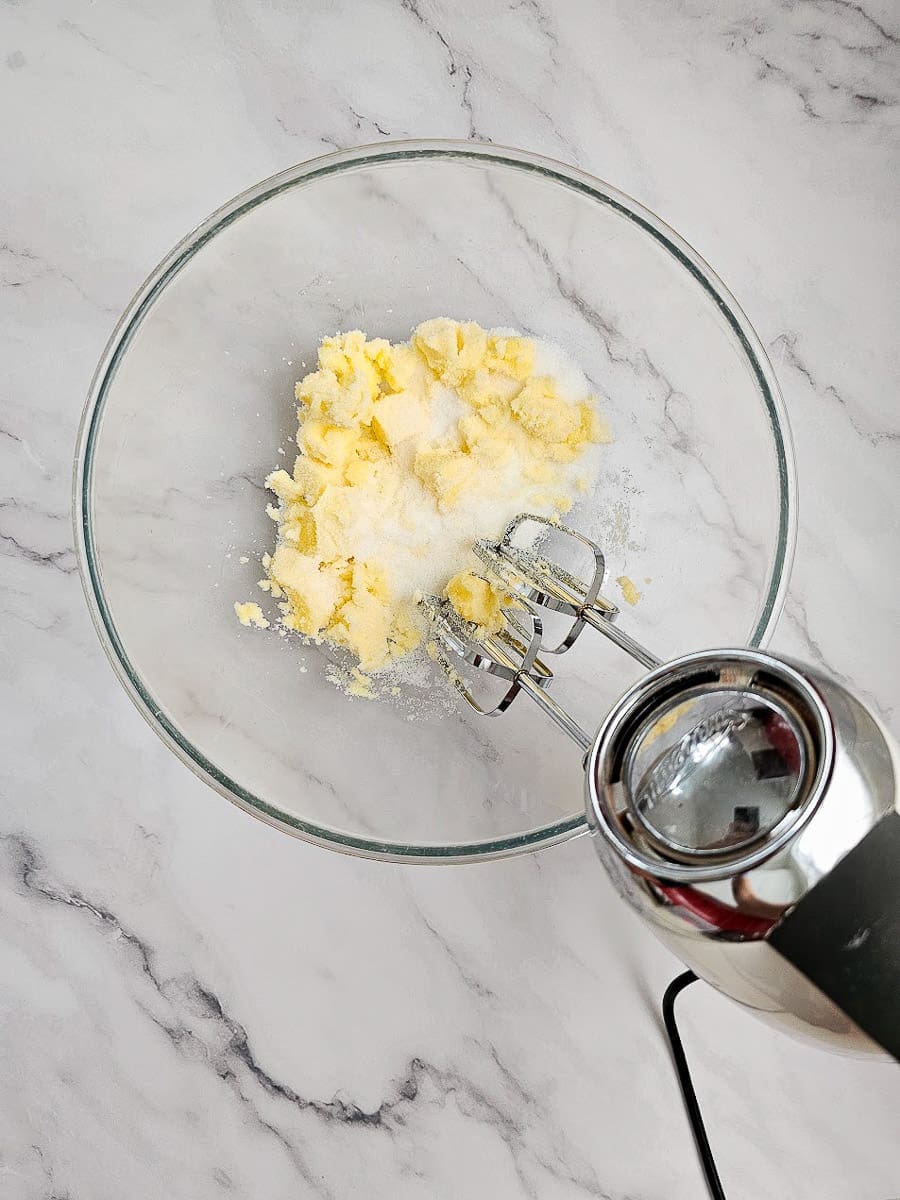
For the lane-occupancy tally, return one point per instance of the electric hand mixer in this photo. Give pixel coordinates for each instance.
(745, 805)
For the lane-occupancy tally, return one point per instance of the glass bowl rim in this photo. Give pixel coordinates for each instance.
(306, 172)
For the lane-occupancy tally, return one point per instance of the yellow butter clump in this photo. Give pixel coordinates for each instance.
(630, 593)
(477, 600)
(251, 614)
(407, 453)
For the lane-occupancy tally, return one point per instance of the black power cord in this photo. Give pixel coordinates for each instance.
(707, 1161)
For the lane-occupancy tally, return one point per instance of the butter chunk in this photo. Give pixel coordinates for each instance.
(314, 589)
(490, 390)
(400, 366)
(630, 593)
(544, 414)
(298, 527)
(360, 685)
(477, 600)
(344, 357)
(318, 392)
(365, 619)
(251, 614)
(511, 355)
(333, 517)
(484, 442)
(355, 404)
(284, 487)
(310, 477)
(332, 445)
(452, 349)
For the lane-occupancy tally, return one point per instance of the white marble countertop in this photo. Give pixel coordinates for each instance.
(194, 1005)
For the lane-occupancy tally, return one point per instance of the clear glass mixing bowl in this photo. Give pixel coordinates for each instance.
(194, 395)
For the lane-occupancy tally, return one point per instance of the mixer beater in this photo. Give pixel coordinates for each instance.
(533, 582)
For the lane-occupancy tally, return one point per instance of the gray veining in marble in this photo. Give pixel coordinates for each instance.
(196, 1006)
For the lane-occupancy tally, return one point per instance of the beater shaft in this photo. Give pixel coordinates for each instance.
(556, 712)
(604, 625)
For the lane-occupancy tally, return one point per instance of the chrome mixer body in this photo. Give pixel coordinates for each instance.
(747, 806)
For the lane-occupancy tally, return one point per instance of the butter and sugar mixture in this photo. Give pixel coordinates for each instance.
(408, 452)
